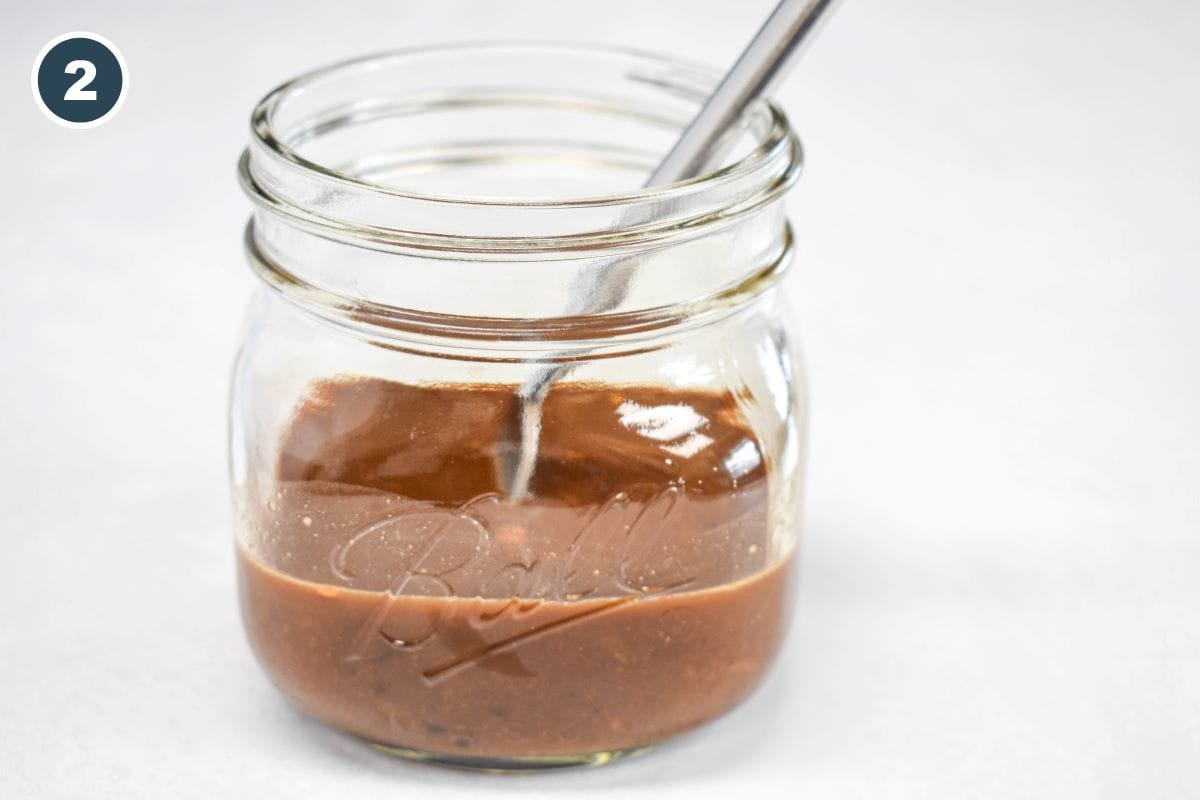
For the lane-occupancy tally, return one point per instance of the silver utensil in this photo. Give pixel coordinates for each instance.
(770, 54)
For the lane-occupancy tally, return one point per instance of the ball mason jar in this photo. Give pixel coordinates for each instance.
(461, 279)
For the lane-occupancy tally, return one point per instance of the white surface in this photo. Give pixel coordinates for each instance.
(998, 286)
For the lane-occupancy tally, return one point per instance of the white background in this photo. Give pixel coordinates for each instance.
(999, 292)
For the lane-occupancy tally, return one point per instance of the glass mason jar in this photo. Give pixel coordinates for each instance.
(461, 281)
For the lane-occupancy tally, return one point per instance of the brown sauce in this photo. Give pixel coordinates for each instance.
(391, 590)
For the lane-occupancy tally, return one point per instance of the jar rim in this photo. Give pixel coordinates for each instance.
(281, 180)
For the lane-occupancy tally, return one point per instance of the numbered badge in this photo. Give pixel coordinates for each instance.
(80, 80)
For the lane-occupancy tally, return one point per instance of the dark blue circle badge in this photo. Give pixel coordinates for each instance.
(80, 80)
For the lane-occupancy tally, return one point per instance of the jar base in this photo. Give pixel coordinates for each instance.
(508, 764)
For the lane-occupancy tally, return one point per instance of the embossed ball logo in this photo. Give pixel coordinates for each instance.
(434, 545)
(79, 80)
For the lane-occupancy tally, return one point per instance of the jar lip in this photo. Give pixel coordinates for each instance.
(262, 130)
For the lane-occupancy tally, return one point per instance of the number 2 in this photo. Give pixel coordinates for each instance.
(77, 90)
